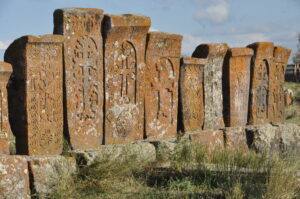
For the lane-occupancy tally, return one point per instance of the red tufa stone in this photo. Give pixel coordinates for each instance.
(235, 138)
(212, 139)
(191, 101)
(276, 96)
(124, 43)
(161, 101)
(6, 136)
(261, 65)
(236, 84)
(83, 56)
(213, 99)
(36, 94)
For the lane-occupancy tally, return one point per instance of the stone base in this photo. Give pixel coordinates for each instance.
(212, 139)
(235, 138)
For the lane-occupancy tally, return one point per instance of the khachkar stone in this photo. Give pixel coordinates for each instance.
(161, 101)
(212, 81)
(83, 56)
(36, 102)
(6, 136)
(191, 102)
(261, 63)
(236, 85)
(124, 43)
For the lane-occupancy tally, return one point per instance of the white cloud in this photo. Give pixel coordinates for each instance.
(247, 38)
(189, 43)
(217, 12)
(4, 44)
(153, 29)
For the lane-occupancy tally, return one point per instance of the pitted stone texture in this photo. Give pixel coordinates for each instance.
(35, 95)
(165, 149)
(6, 136)
(236, 85)
(235, 138)
(124, 43)
(48, 171)
(14, 177)
(161, 101)
(141, 151)
(261, 66)
(290, 138)
(212, 139)
(191, 102)
(277, 71)
(83, 62)
(213, 99)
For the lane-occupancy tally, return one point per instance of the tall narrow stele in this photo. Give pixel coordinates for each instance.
(124, 44)
(35, 95)
(83, 71)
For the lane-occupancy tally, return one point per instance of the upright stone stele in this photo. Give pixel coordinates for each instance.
(213, 99)
(236, 85)
(261, 63)
(191, 101)
(36, 102)
(83, 58)
(276, 103)
(162, 62)
(6, 136)
(124, 44)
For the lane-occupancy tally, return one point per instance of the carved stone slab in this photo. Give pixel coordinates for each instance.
(124, 43)
(83, 56)
(236, 85)
(261, 63)
(6, 136)
(191, 102)
(162, 60)
(213, 99)
(276, 103)
(36, 105)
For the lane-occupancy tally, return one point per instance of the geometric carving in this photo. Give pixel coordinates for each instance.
(6, 136)
(212, 81)
(191, 104)
(162, 60)
(37, 106)
(276, 110)
(236, 85)
(83, 69)
(124, 43)
(259, 99)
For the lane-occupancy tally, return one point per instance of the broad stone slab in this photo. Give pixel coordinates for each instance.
(124, 43)
(276, 103)
(213, 140)
(83, 69)
(191, 102)
(36, 102)
(236, 85)
(161, 101)
(235, 139)
(261, 65)
(14, 177)
(213, 99)
(6, 136)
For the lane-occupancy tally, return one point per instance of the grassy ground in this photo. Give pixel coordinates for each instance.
(292, 112)
(187, 176)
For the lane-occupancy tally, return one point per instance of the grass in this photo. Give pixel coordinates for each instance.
(292, 112)
(193, 173)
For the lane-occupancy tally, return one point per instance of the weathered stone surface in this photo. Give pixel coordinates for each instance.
(165, 149)
(35, 95)
(6, 136)
(48, 171)
(236, 85)
(140, 151)
(288, 97)
(83, 62)
(276, 95)
(124, 43)
(213, 99)
(235, 138)
(290, 138)
(212, 139)
(14, 177)
(261, 64)
(191, 102)
(161, 101)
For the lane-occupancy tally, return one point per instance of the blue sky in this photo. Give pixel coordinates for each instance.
(236, 22)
